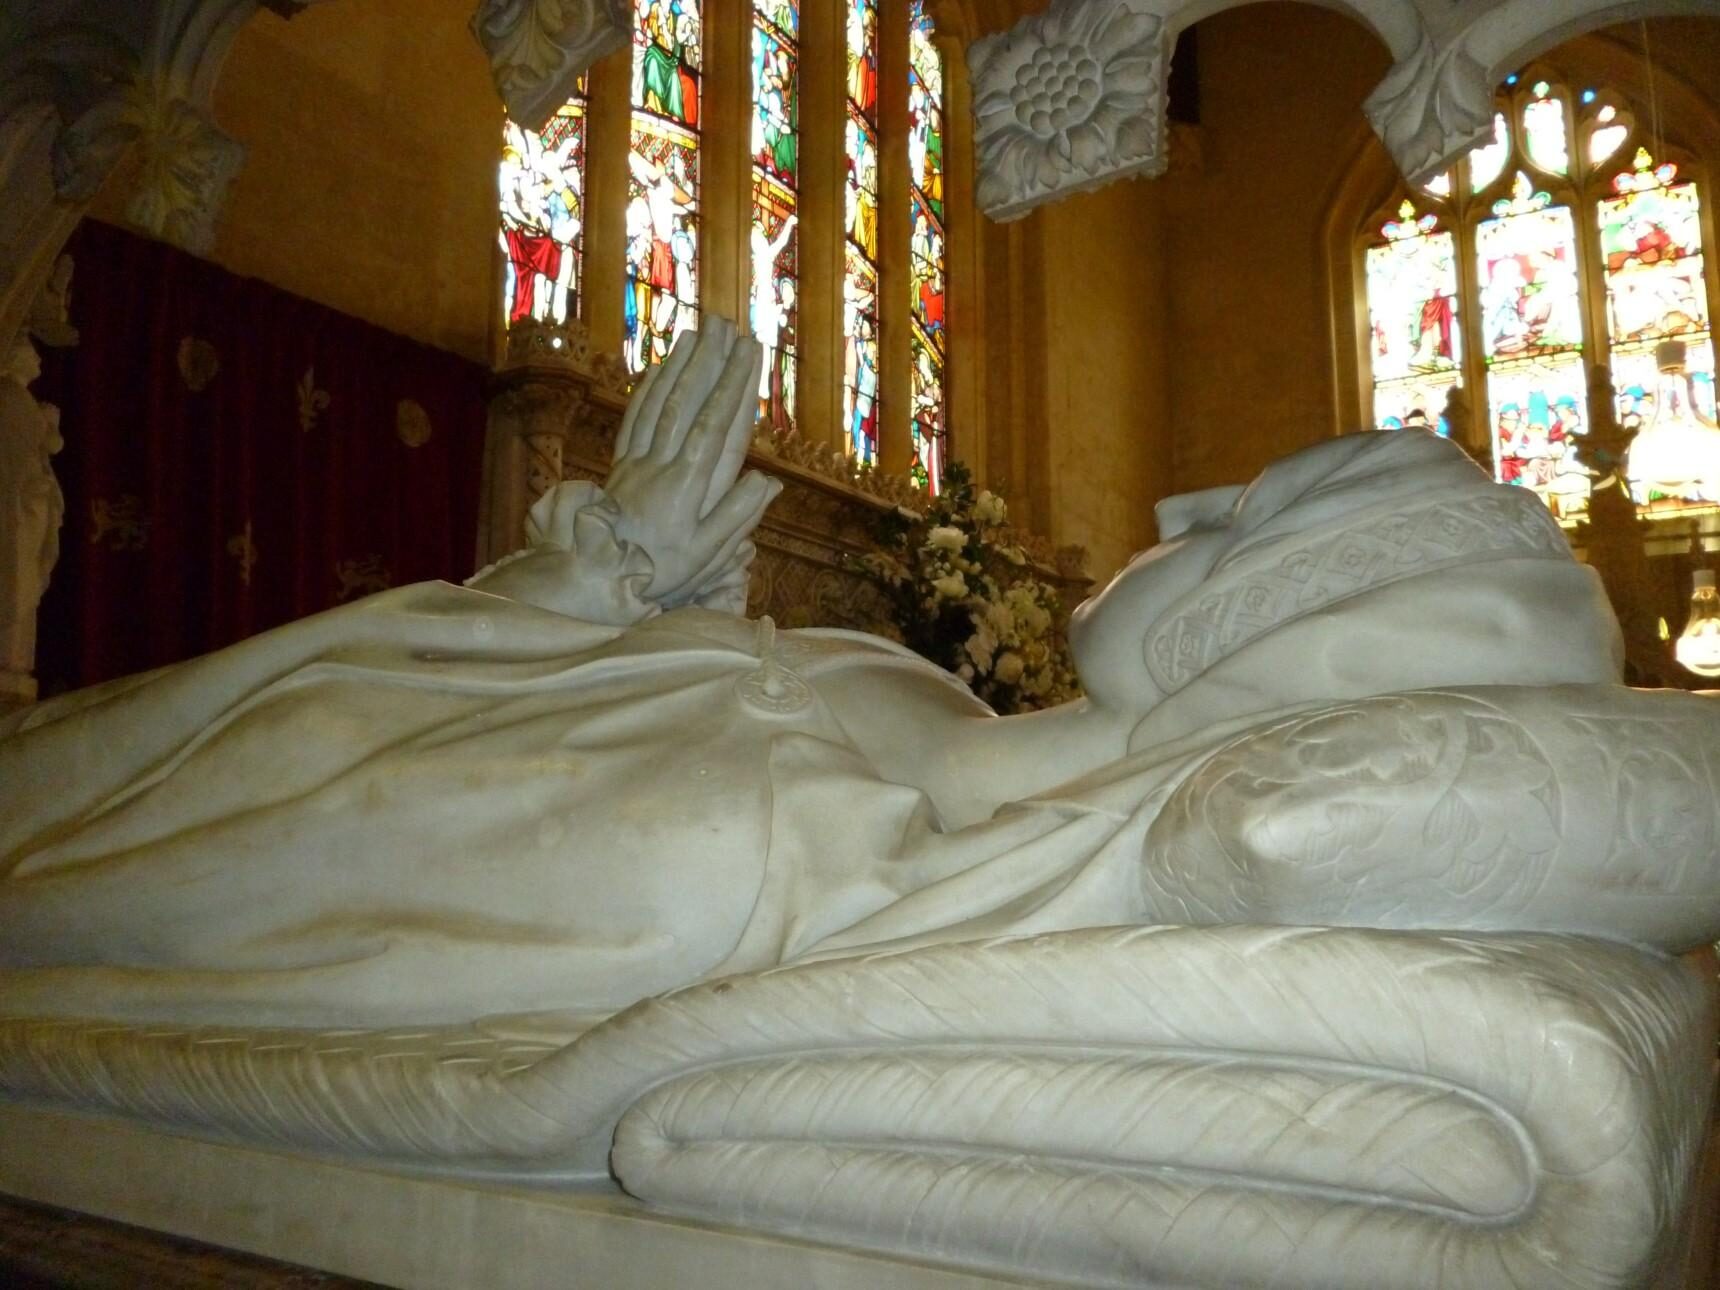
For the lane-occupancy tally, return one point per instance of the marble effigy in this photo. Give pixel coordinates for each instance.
(1326, 943)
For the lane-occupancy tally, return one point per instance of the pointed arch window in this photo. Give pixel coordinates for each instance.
(927, 345)
(542, 186)
(1570, 238)
(662, 289)
(775, 203)
(860, 328)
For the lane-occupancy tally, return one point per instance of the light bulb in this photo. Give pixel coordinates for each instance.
(1677, 454)
(1698, 645)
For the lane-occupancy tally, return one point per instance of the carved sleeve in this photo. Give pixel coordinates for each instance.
(576, 563)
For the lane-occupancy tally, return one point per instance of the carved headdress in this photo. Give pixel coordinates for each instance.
(1370, 564)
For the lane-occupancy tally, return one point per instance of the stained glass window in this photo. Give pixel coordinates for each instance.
(1651, 242)
(1532, 337)
(1608, 135)
(926, 259)
(543, 215)
(1544, 135)
(775, 213)
(1487, 162)
(860, 279)
(1574, 262)
(662, 293)
(1416, 342)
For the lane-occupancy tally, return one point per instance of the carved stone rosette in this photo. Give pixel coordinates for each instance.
(1070, 99)
(1074, 97)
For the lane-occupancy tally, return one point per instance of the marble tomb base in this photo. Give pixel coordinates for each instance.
(414, 1231)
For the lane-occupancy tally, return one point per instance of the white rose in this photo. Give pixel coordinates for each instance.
(979, 650)
(1009, 668)
(953, 587)
(946, 538)
(988, 508)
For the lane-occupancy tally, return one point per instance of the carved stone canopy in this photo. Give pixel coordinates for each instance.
(1073, 97)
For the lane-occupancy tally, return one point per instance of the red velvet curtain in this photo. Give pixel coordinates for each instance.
(237, 457)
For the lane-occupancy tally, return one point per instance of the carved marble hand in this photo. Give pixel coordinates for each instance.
(678, 457)
(670, 528)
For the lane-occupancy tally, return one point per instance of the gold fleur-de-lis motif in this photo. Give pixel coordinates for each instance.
(361, 577)
(244, 550)
(412, 423)
(312, 401)
(199, 363)
(119, 523)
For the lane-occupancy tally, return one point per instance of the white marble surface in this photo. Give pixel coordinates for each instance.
(419, 1233)
(1232, 1107)
(383, 883)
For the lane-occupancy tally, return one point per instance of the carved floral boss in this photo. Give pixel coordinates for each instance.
(1066, 101)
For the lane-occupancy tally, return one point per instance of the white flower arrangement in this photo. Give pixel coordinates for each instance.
(970, 602)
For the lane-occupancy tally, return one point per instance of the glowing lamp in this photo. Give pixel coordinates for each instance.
(1698, 645)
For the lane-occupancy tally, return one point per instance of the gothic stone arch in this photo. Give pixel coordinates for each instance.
(1073, 98)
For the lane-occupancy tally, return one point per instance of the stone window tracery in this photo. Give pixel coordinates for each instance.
(1573, 239)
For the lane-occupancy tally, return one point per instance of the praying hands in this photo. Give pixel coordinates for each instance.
(671, 526)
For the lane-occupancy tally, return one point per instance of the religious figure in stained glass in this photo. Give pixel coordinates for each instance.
(776, 182)
(927, 345)
(860, 329)
(776, 88)
(1513, 208)
(662, 292)
(862, 203)
(860, 363)
(1651, 239)
(1532, 339)
(1527, 259)
(863, 57)
(542, 215)
(666, 62)
(1415, 337)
